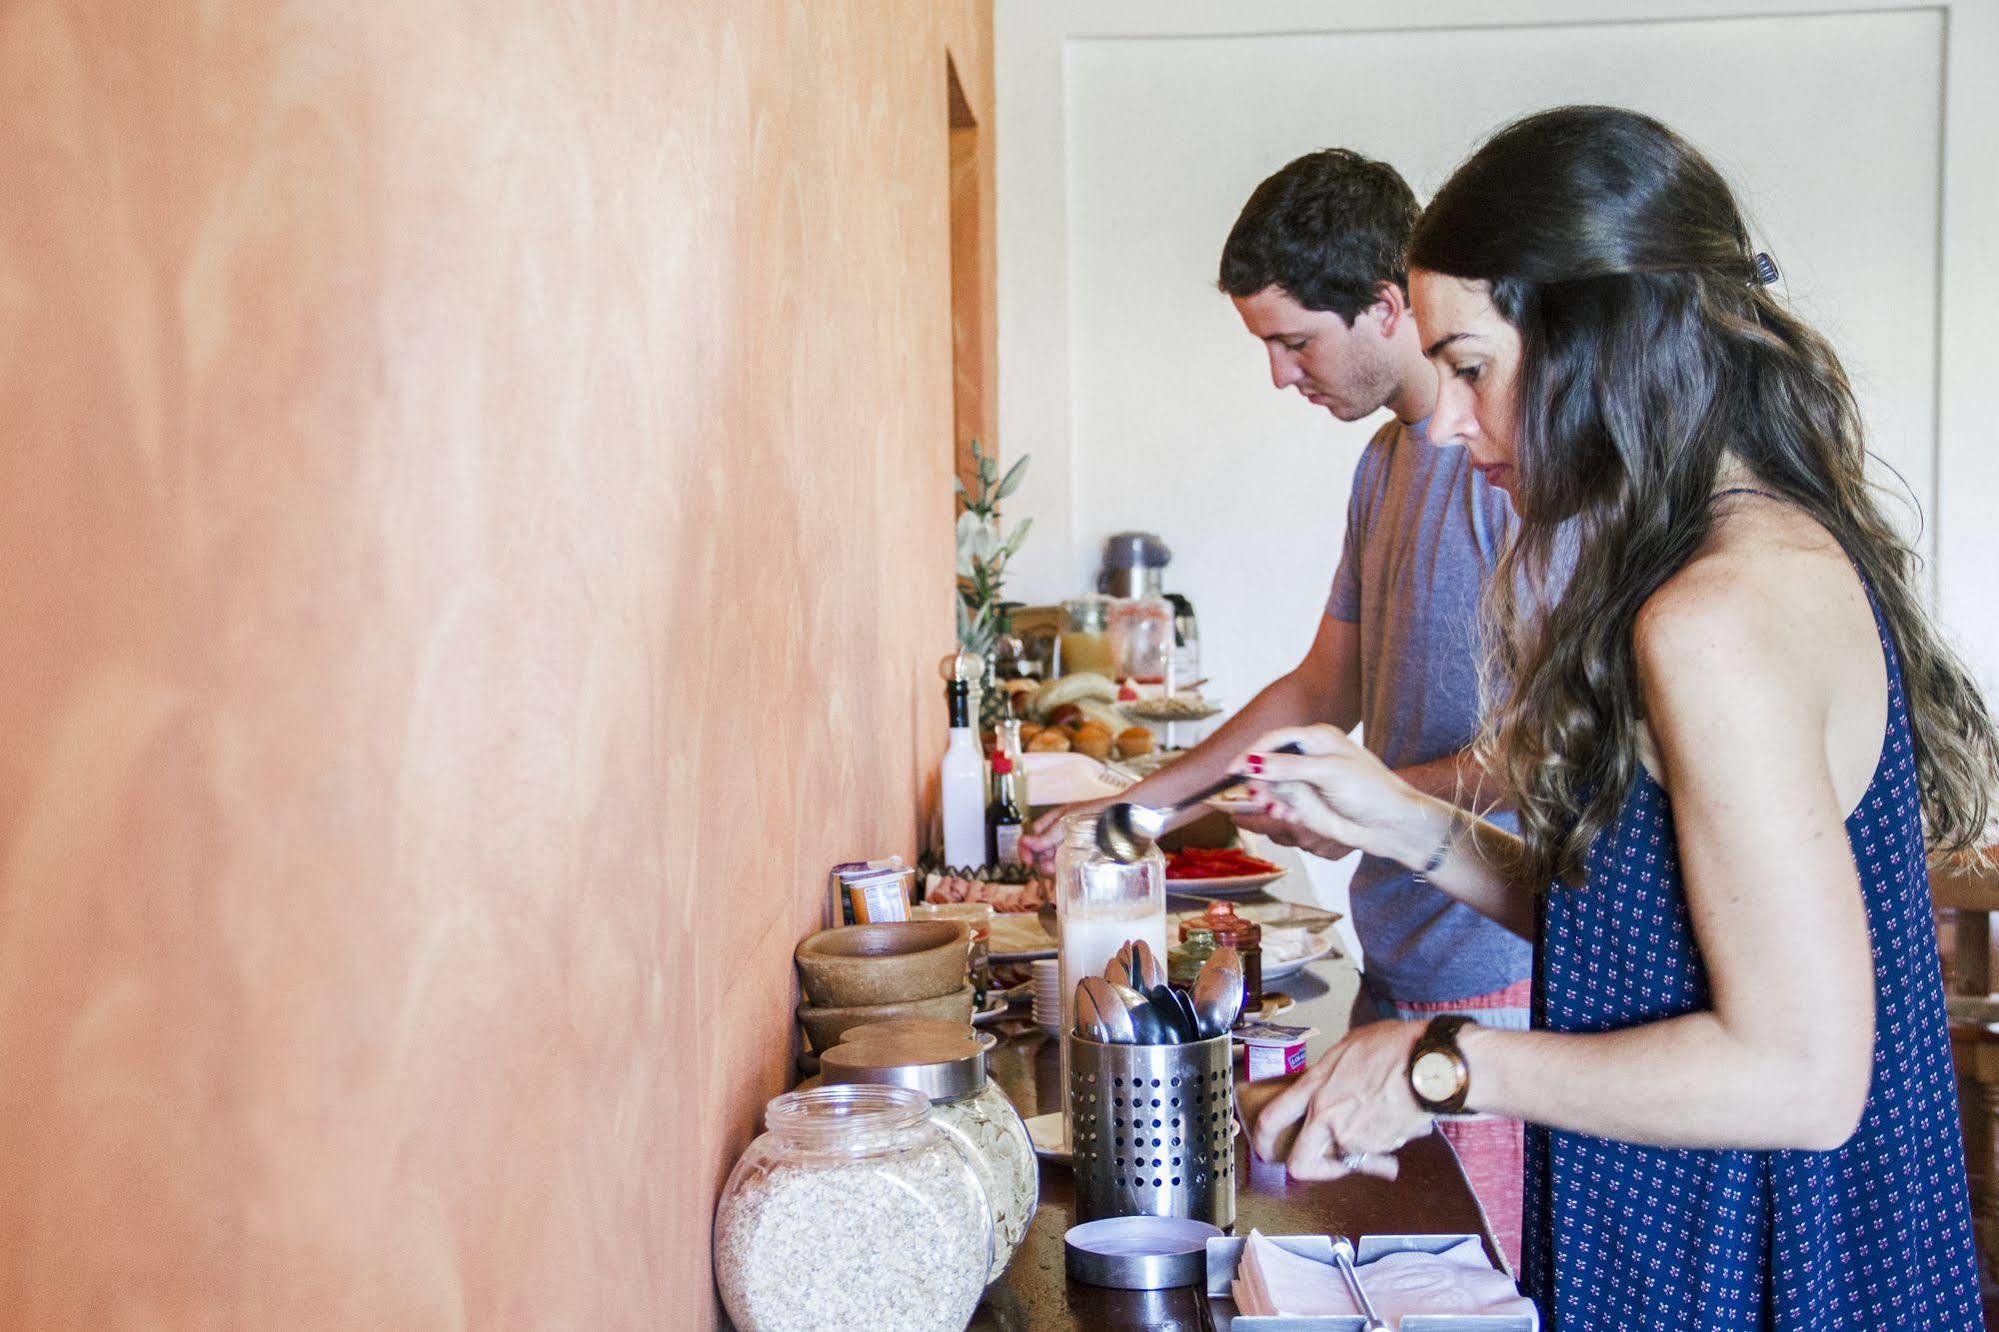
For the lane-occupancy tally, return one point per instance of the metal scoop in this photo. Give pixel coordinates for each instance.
(1125, 831)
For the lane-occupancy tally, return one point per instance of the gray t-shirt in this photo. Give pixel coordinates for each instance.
(1424, 529)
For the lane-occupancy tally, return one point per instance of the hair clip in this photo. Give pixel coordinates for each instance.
(1766, 269)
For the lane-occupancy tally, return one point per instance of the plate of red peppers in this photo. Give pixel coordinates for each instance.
(1224, 869)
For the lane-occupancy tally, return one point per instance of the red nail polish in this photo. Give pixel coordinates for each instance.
(1254, 763)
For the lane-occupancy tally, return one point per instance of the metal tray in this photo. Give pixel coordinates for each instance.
(1226, 1252)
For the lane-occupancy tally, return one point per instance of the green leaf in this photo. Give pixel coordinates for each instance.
(1014, 476)
(988, 469)
(959, 486)
(1018, 535)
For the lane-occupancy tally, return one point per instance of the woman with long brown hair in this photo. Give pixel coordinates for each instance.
(1733, 738)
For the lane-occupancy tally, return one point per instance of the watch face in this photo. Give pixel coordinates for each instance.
(1435, 1076)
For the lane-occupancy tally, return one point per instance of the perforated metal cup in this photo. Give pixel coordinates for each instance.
(1151, 1130)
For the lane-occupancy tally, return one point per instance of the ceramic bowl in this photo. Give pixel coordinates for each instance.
(825, 1026)
(857, 965)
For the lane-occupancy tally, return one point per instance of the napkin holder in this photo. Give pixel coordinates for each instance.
(1224, 1253)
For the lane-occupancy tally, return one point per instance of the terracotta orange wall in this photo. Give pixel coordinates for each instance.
(474, 547)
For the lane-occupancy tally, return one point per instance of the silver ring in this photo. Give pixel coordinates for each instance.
(1353, 1160)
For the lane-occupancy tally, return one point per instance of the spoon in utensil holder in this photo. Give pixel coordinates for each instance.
(1218, 991)
(1125, 831)
(1102, 1014)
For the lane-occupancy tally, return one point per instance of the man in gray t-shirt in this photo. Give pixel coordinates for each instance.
(1424, 530)
(1315, 268)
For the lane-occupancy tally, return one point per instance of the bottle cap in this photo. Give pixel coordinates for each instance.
(1002, 765)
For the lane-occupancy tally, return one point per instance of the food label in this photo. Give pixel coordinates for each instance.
(1007, 836)
(871, 901)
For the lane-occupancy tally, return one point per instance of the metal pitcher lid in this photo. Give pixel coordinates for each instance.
(942, 1067)
(1135, 550)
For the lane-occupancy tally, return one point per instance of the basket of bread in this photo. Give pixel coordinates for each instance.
(1079, 714)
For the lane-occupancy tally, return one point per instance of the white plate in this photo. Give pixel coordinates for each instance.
(1326, 944)
(1233, 885)
(1045, 1131)
(1050, 1144)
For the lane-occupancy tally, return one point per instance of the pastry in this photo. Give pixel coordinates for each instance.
(1134, 741)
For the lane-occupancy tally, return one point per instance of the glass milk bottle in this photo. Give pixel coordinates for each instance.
(1100, 904)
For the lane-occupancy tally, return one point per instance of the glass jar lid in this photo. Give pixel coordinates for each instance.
(1086, 614)
(943, 1068)
(1230, 927)
(829, 1117)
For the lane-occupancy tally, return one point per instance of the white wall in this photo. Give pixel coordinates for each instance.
(1129, 135)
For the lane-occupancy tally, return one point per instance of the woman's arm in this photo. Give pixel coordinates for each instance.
(1738, 701)
(1337, 789)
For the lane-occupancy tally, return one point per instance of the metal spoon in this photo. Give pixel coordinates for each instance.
(1147, 973)
(1125, 831)
(1115, 971)
(1109, 1017)
(1147, 1029)
(1179, 1020)
(1188, 1017)
(1218, 991)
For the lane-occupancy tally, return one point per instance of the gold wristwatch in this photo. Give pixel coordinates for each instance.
(1439, 1074)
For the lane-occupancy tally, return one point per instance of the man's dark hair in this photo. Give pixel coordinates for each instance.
(1329, 229)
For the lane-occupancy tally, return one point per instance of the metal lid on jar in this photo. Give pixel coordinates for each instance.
(900, 1027)
(942, 1067)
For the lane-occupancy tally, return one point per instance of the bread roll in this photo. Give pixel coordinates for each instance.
(1135, 741)
(1050, 740)
(1093, 740)
(1066, 715)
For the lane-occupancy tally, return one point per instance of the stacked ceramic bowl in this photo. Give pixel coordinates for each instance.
(1048, 994)
(858, 974)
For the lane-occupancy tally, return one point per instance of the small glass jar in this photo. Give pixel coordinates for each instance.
(1086, 640)
(1183, 965)
(869, 1167)
(949, 1067)
(1141, 637)
(1234, 930)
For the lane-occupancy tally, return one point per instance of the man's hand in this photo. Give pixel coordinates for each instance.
(1044, 839)
(1292, 834)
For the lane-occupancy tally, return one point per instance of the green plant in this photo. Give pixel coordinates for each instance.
(982, 554)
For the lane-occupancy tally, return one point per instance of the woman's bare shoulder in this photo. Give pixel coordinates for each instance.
(1773, 577)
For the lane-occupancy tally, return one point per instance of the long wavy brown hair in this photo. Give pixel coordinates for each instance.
(1652, 354)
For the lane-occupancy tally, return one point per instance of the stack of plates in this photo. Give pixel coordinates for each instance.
(1048, 994)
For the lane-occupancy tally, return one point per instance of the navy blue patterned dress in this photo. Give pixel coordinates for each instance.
(1873, 1235)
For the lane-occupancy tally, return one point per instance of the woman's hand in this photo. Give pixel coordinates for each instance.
(1355, 1103)
(1336, 791)
(1289, 832)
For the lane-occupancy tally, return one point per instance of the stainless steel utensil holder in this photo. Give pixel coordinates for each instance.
(1152, 1129)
